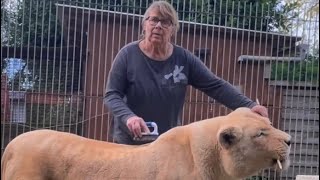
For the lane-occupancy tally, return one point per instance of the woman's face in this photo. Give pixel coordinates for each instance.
(158, 30)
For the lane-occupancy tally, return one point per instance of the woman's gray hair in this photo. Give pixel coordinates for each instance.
(166, 10)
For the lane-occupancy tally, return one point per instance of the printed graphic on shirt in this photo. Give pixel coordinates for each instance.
(177, 74)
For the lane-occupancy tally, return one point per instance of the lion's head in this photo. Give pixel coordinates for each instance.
(250, 143)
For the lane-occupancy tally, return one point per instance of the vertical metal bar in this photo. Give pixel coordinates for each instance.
(120, 29)
(260, 66)
(83, 70)
(47, 69)
(133, 20)
(254, 39)
(236, 45)
(34, 62)
(72, 94)
(66, 95)
(40, 67)
(54, 68)
(4, 120)
(200, 102)
(182, 24)
(218, 51)
(127, 19)
(206, 99)
(99, 98)
(60, 73)
(98, 73)
(21, 55)
(224, 58)
(14, 89)
(93, 119)
(212, 45)
(183, 116)
(195, 103)
(246, 83)
(100, 58)
(113, 21)
(242, 42)
(264, 53)
(231, 61)
(140, 19)
(171, 2)
(108, 58)
(190, 89)
(12, 81)
(92, 71)
(87, 90)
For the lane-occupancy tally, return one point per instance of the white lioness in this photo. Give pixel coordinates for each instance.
(223, 148)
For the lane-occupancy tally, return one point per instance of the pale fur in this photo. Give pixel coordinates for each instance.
(187, 152)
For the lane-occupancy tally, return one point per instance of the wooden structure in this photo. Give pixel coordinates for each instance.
(106, 32)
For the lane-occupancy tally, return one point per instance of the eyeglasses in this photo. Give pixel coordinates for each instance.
(155, 20)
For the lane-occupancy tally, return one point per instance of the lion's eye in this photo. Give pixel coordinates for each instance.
(260, 134)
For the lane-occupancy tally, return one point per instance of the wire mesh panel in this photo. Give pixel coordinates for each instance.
(56, 56)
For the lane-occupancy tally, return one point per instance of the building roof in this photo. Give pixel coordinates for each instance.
(124, 14)
(77, 12)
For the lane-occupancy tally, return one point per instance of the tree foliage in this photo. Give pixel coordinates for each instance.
(36, 23)
(267, 15)
(264, 15)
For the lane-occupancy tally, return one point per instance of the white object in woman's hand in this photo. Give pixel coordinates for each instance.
(136, 125)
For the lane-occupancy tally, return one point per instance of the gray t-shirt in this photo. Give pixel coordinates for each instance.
(155, 90)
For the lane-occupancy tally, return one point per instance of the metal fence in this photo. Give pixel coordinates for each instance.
(56, 55)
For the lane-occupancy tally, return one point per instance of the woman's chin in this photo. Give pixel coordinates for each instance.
(156, 40)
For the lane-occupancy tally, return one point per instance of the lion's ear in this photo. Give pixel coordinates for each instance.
(229, 136)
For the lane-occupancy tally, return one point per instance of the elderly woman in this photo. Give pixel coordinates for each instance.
(149, 78)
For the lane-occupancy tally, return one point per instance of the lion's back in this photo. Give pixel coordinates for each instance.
(21, 152)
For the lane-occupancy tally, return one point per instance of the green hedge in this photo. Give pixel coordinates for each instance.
(296, 71)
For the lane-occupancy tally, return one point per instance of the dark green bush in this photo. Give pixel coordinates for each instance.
(307, 70)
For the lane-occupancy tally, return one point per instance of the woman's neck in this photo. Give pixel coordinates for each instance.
(159, 52)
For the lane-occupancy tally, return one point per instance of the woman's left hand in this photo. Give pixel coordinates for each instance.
(263, 111)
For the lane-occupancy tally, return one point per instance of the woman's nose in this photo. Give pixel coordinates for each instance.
(158, 24)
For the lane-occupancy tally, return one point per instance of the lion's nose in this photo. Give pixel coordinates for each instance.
(288, 142)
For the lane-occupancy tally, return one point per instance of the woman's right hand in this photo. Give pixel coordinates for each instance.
(137, 125)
